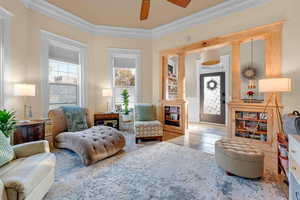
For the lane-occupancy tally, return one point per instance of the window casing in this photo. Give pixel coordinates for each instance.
(5, 58)
(63, 82)
(125, 74)
(1, 64)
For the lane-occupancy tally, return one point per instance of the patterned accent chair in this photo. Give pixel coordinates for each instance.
(146, 124)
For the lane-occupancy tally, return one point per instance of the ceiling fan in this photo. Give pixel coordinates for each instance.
(146, 6)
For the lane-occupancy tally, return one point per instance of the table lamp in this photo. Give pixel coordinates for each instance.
(275, 86)
(25, 90)
(107, 92)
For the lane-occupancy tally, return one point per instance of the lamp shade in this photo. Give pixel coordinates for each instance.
(24, 90)
(210, 57)
(107, 92)
(275, 85)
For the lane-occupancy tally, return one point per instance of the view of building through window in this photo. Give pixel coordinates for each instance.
(64, 80)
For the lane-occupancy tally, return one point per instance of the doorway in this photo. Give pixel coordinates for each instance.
(212, 98)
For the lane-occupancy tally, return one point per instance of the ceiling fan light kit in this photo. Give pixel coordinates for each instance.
(145, 9)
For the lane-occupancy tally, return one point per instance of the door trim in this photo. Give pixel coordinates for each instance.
(226, 63)
(219, 119)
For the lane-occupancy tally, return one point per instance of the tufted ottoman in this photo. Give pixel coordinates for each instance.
(93, 144)
(239, 158)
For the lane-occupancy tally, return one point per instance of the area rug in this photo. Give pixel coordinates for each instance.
(162, 171)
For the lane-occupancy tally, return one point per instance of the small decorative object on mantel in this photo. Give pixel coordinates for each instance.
(252, 84)
(250, 95)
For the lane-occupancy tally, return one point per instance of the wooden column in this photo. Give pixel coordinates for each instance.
(236, 71)
(164, 74)
(181, 76)
(273, 51)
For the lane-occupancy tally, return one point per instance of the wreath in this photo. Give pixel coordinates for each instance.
(249, 73)
(212, 84)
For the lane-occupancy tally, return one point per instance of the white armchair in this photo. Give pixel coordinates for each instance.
(30, 175)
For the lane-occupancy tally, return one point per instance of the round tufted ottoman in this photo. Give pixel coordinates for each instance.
(239, 158)
(93, 144)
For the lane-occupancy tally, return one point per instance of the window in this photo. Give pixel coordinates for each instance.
(64, 62)
(1, 64)
(124, 76)
(5, 75)
(64, 80)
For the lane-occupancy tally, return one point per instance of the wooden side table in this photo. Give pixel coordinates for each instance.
(29, 131)
(107, 119)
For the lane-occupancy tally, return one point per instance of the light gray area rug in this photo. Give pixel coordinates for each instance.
(162, 171)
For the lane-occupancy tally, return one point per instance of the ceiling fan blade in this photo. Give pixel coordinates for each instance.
(145, 9)
(181, 3)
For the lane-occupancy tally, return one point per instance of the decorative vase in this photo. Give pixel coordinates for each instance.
(126, 118)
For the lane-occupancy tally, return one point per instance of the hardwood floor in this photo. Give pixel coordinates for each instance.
(200, 137)
(203, 141)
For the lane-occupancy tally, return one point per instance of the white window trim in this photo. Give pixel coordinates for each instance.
(60, 41)
(132, 53)
(5, 18)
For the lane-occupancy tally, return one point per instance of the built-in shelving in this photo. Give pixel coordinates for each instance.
(172, 115)
(252, 125)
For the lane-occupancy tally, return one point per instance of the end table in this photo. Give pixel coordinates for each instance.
(107, 119)
(29, 131)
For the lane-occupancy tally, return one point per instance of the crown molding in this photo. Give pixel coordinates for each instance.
(223, 9)
(201, 17)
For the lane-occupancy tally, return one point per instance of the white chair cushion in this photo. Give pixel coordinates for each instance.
(25, 174)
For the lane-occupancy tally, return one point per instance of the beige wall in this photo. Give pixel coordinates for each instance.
(26, 51)
(26, 56)
(274, 11)
(18, 49)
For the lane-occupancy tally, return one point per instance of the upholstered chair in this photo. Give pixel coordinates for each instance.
(146, 124)
(30, 175)
(59, 123)
(92, 144)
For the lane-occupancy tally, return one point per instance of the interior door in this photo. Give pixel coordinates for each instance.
(212, 97)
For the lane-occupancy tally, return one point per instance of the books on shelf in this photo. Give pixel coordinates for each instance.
(252, 125)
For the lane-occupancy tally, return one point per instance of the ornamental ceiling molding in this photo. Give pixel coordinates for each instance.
(202, 17)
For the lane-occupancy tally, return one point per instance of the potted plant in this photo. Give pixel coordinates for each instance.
(7, 123)
(126, 112)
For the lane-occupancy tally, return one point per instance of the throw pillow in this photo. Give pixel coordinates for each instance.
(145, 112)
(76, 118)
(7, 153)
